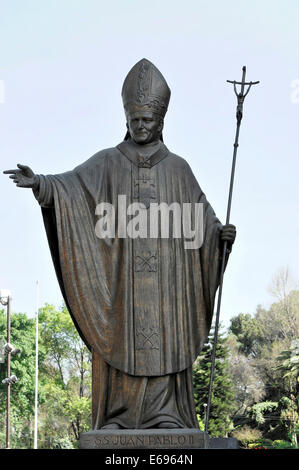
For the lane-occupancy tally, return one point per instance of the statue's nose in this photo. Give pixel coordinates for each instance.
(140, 124)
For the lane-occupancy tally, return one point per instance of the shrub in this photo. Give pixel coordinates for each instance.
(261, 444)
(247, 435)
(280, 444)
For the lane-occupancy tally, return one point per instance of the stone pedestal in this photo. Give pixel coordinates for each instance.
(223, 443)
(145, 439)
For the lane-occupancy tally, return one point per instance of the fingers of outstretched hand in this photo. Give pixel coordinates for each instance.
(11, 172)
(24, 168)
(21, 169)
(15, 175)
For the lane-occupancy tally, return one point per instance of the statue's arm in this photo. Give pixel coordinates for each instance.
(24, 177)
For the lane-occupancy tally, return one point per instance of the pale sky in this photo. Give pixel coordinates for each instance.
(61, 71)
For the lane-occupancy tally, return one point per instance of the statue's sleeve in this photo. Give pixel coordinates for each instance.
(44, 194)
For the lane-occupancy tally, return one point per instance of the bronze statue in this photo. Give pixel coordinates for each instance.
(143, 305)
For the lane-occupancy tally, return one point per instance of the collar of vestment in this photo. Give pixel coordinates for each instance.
(143, 156)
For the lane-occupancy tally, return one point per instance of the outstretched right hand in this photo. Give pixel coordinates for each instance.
(23, 177)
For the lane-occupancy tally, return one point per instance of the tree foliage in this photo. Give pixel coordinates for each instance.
(269, 342)
(222, 403)
(64, 381)
(255, 392)
(65, 378)
(23, 366)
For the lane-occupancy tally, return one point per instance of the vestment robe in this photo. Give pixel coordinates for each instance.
(143, 306)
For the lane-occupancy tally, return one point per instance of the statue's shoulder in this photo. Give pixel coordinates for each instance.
(179, 167)
(177, 162)
(98, 159)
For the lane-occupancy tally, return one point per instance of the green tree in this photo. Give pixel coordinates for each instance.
(289, 365)
(22, 393)
(265, 342)
(222, 402)
(247, 331)
(248, 386)
(65, 379)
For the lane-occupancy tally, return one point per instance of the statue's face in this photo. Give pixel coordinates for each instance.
(144, 127)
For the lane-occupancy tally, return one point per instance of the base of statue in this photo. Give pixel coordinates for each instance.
(145, 439)
(223, 443)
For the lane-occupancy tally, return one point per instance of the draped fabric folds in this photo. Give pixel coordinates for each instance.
(96, 275)
(97, 278)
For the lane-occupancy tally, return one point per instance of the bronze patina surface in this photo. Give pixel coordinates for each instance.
(142, 305)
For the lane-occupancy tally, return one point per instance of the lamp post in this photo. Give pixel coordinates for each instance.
(205, 413)
(5, 299)
(36, 373)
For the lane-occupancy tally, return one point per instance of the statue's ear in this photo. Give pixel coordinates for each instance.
(127, 136)
(161, 129)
